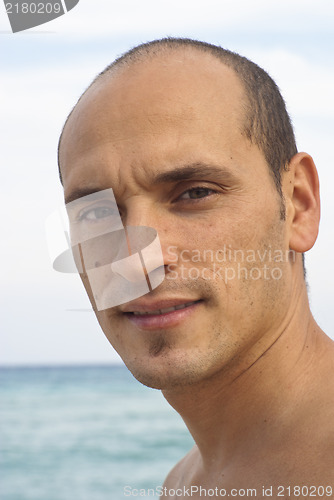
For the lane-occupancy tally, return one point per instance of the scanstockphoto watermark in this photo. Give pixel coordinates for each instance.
(227, 263)
(188, 492)
(300, 490)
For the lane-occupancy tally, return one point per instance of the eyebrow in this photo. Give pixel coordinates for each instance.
(193, 171)
(80, 192)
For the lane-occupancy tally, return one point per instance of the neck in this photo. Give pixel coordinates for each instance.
(237, 415)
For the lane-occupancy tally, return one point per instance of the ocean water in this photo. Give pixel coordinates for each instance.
(84, 433)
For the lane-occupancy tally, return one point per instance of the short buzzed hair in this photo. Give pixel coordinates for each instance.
(267, 123)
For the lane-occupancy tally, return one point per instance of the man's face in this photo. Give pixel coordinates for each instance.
(215, 213)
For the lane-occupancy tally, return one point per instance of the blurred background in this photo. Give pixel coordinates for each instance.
(74, 424)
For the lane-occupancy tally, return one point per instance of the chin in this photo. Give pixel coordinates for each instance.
(166, 371)
(158, 381)
(150, 380)
(152, 373)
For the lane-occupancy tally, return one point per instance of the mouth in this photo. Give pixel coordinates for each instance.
(164, 311)
(163, 317)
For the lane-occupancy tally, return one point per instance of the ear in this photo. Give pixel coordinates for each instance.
(304, 203)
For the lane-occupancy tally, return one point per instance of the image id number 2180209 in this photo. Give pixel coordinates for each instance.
(33, 8)
(299, 491)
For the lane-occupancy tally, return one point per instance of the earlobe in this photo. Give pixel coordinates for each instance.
(305, 201)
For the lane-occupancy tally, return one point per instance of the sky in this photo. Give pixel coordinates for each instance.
(43, 72)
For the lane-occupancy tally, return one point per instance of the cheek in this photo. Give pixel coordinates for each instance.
(240, 261)
(111, 328)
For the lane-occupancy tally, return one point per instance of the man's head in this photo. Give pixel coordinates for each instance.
(266, 121)
(196, 142)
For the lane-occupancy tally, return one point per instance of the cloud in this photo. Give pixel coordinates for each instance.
(306, 84)
(116, 19)
(42, 76)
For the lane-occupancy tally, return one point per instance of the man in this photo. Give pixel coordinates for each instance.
(195, 142)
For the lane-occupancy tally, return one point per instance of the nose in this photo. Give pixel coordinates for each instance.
(141, 212)
(143, 258)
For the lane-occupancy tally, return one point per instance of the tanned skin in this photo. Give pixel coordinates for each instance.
(247, 367)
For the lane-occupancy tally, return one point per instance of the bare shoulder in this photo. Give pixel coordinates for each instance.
(180, 473)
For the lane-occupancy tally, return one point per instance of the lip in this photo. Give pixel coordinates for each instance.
(159, 321)
(150, 305)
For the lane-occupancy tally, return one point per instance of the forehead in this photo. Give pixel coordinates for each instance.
(149, 107)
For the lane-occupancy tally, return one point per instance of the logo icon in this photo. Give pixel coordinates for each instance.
(116, 263)
(27, 14)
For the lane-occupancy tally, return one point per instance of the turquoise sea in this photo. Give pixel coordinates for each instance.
(83, 433)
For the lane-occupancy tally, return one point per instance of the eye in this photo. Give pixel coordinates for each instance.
(97, 214)
(196, 193)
